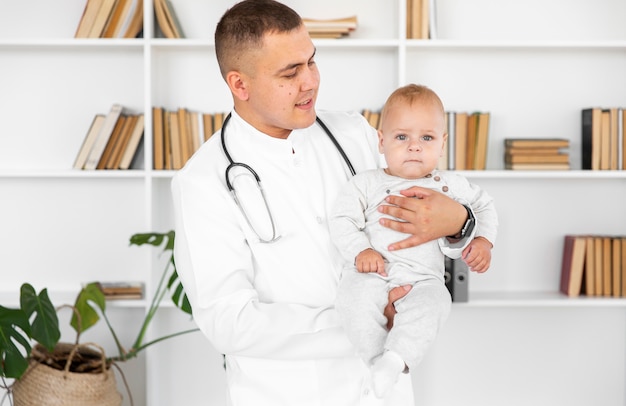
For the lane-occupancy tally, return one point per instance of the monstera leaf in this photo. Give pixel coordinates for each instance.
(179, 297)
(16, 330)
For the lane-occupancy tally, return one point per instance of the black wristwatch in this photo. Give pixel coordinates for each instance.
(467, 228)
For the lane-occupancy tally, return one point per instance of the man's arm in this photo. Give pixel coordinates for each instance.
(425, 214)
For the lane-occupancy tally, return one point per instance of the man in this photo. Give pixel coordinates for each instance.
(261, 272)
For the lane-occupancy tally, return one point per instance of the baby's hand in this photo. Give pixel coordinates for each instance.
(370, 261)
(477, 255)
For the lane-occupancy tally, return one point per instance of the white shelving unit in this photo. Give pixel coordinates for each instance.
(533, 65)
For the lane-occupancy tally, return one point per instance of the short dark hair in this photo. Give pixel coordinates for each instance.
(243, 26)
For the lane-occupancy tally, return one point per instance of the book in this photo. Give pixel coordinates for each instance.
(330, 28)
(623, 263)
(470, 145)
(591, 138)
(606, 266)
(157, 138)
(135, 23)
(184, 133)
(538, 166)
(103, 136)
(482, 141)
(166, 19)
(134, 140)
(616, 266)
(87, 19)
(175, 142)
(121, 290)
(590, 261)
(535, 158)
(572, 265)
(460, 162)
(451, 128)
(121, 145)
(119, 14)
(605, 140)
(88, 141)
(597, 266)
(533, 150)
(104, 13)
(111, 143)
(207, 123)
(536, 142)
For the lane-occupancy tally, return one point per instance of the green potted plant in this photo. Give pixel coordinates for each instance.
(36, 321)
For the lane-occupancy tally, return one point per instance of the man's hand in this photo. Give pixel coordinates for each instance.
(370, 260)
(394, 294)
(426, 214)
(477, 255)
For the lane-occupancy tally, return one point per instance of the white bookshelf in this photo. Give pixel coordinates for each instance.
(533, 65)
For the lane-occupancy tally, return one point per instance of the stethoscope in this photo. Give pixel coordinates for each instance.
(234, 164)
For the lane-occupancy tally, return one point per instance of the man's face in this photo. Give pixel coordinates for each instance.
(282, 81)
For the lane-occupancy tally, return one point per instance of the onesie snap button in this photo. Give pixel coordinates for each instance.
(445, 188)
(437, 178)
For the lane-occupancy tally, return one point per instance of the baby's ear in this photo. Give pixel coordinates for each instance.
(380, 141)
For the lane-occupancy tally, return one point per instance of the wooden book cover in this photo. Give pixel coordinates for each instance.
(472, 129)
(207, 122)
(135, 24)
(195, 125)
(605, 140)
(482, 141)
(111, 143)
(133, 143)
(597, 243)
(538, 166)
(590, 261)
(89, 141)
(218, 120)
(104, 13)
(606, 266)
(533, 150)
(103, 136)
(572, 265)
(591, 118)
(536, 143)
(118, 15)
(616, 266)
(623, 261)
(184, 133)
(556, 158)
(460, 162)
(89, 16)
(157, 138)
(416, 19)
(120, 147)
(613, 139)
(167, 141)
(622, 138)
(175, 142)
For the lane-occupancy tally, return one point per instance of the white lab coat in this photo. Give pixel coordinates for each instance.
(269, 307)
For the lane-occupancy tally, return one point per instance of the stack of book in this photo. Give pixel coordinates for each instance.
(421, 19)
(372, 117)
(111, 19)
(168, 24)
(594, 265)
(121, 290)
(332, 28)
(177, 134)
(604, 138)
(468, 140)
(112, 142)
(536, 153)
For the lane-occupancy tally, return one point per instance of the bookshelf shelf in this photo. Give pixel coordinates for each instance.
(539, 299)
(505, 57)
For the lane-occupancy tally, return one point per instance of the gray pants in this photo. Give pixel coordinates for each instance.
(360, 302)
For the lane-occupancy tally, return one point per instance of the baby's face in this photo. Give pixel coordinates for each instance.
(412, 139)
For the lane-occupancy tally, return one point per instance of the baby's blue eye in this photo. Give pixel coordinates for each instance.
(401, 137)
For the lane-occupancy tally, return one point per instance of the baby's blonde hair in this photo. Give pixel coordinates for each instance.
(411, 94)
